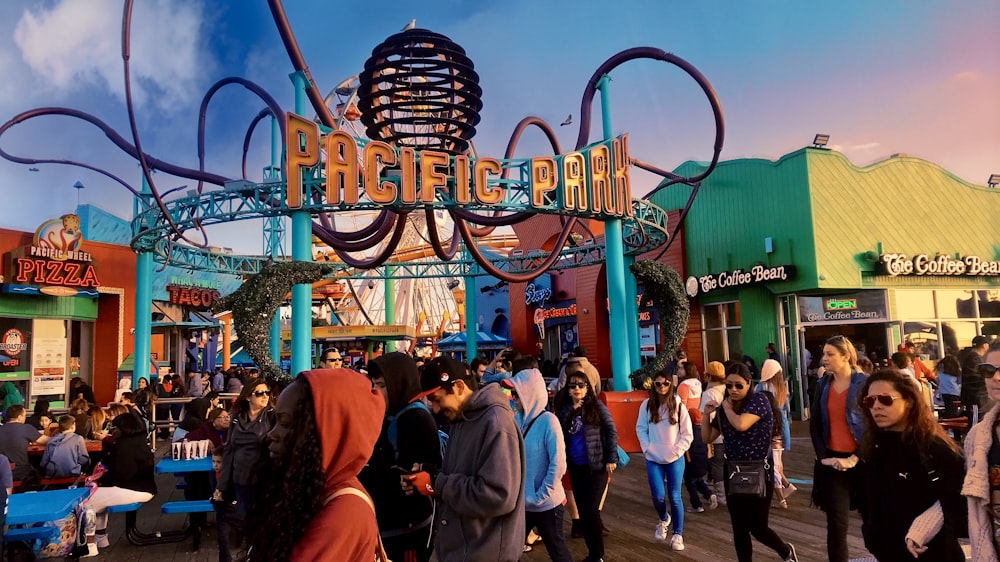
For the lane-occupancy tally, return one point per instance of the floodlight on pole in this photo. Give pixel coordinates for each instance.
(78, 186)
(821, 140)
(994, 180)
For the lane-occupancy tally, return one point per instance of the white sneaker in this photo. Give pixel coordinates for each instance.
(101, 540)
(91, 550)
(713, 502)
(660, 534)
(676, 542)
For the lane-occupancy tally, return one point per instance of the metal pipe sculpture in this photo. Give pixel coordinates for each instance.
(417, 90)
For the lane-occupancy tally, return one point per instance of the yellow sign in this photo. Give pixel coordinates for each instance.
(354, 332)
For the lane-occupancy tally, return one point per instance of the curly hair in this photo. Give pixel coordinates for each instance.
(922, 428)
(289, 490)
(655, 404)
(591, 414)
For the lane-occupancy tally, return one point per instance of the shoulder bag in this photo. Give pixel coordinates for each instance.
(380, 555)
(748, 479)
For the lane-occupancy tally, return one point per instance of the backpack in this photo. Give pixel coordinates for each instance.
(394, 432)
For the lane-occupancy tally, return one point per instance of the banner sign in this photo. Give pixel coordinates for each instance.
(738, 278)
(895, 265)
(54, 259)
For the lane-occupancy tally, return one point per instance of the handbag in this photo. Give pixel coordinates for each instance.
(623, 457)
(748, 479)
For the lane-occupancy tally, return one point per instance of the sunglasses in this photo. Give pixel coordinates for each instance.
(659, 384)
(883, 399)
(577, 385)
(259, 393)
(736, 385)
(988, 369)
(334, 360)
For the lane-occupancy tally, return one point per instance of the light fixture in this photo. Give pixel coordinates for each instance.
(994, 180)
(820, 140)
(452, 284)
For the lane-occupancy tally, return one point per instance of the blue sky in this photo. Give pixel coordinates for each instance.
(882, 77)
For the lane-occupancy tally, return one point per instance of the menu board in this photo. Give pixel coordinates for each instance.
(48, 373)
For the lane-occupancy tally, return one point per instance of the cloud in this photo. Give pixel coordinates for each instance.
(966, 76)
(865, 146)
(72, 46)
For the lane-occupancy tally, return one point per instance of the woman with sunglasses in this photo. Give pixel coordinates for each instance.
(746, 421)
(836, 426)
(591, 453)
(910, 503)
(251, 417)
(664, 431)
(982, 458)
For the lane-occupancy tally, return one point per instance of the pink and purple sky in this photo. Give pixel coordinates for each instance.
(916, 77)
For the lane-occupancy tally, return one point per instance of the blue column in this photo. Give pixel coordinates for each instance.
(301, 251)
(274, 226)
(143, 305)
(389, 290)
(632, 295)
(614, 249)
(471, 315)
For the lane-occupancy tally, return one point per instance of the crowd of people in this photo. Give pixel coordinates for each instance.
(469, 462)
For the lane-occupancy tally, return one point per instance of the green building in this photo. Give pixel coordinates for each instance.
(810, 246)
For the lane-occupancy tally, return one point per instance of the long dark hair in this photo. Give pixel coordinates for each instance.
(949, 365)
(743, 371)
(653, 405)
(289, 490)
(922, 428)
(591, 415)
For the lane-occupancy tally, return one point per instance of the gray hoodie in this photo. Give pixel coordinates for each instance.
(544, 448)
(481, 484)
(64, 455)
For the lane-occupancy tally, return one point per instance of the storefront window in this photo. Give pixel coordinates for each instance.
(915, 304)
(957, 335)
(721, 335)
(956, 304)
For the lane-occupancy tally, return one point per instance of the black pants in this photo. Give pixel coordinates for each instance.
(588, 487)
(410, 547)
(750, 517)
(550, 528)
(835, 499)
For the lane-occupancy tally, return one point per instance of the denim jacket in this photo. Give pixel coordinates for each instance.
(819, 422)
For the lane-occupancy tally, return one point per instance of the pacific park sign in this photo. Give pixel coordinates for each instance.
(592, 181)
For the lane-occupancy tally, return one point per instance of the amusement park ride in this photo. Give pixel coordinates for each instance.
(381, 181)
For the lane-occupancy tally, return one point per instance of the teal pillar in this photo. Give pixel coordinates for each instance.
(632, 296)
(143, 305)
(274, 249)
(389, 288)
(614, 250)
(301, 251)
(471, 316)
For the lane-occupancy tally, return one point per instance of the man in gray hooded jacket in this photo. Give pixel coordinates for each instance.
(481, 483)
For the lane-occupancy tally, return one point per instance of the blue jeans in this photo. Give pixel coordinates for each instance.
(673, 475)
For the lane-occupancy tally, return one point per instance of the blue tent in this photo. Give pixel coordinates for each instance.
(484, 340)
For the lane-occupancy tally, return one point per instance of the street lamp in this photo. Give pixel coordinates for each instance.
(79, 187)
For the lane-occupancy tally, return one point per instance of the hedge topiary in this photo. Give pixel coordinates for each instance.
(663, 285)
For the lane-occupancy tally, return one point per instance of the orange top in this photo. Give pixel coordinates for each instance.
(840, 439)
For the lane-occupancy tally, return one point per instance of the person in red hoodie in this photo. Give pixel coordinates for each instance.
(310, 505)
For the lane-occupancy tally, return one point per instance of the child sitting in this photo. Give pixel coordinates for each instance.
(66, 453)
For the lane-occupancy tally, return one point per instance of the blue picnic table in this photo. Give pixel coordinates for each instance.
(37, 507)
(190, 465)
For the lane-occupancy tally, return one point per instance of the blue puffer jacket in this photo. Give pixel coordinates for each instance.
(602, 440)
(819, 423)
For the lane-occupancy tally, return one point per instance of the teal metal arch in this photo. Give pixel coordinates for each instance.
(240, 200)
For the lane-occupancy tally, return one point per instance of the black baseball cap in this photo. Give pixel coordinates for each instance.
(980, 340)
(442, 372)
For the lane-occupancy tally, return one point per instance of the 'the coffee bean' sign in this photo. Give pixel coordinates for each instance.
(738, 278)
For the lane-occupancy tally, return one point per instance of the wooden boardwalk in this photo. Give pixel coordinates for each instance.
(628, 514)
